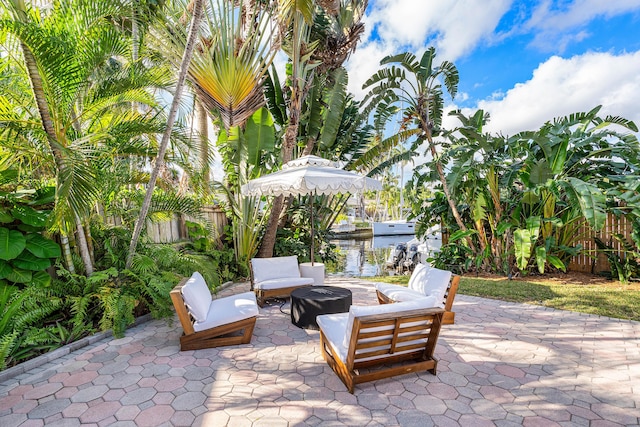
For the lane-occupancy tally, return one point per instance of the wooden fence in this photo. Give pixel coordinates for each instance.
(591, 260)
(176, 230)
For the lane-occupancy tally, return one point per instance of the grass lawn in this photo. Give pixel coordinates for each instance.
(573, 291)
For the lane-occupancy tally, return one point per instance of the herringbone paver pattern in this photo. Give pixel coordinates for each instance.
(501, 364)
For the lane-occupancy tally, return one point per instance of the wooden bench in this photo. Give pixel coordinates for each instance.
(276, 277)
(440, 285)
(209, 322)
(370, 343)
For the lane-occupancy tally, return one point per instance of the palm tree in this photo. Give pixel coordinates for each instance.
(415, 86)
(182, 75)
(80, 89)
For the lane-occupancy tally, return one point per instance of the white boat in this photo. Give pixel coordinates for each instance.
(393, 228)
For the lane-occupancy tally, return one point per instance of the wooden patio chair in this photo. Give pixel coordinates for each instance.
(440, 286)
(276, 277)
(374, 342)
(209, 322)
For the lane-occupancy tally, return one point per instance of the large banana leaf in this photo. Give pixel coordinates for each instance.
(259, 135)
(27, 261)
(479, 211)
(18, 275)
(522, 247)
(591, 200)
(540, 172)
(5, 269)
(30, 216)
(315, 106)
(335, 101)
(42, 247)
(275, 98)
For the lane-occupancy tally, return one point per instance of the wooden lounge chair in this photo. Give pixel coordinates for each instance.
(374, 342)
(211, 322)
(425, 282)
(276, 277)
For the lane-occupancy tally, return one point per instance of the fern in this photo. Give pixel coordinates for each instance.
(144, 264)
(117, 310)
(20, 311)
(7, 344)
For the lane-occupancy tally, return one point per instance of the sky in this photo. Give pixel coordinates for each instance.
(524, 62)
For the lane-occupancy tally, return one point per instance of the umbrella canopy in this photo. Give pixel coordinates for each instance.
(309, 175)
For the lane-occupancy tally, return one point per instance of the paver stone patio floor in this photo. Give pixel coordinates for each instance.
(502, 364)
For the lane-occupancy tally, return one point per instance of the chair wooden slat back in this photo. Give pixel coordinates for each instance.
(387, 345)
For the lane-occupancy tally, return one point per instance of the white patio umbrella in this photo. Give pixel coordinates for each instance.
(309, 175)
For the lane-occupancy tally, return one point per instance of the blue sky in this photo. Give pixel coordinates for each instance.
(525, 62)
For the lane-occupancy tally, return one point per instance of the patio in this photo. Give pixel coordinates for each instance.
(500, 364)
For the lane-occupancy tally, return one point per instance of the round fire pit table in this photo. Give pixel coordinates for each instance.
(309, 302)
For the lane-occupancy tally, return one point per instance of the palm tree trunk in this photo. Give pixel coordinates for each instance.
(47, 124)
(203, 131)
(443, 180)
(184, 66)
(83, 247)
(290, 138)
(66, 253)
(87, 233)
(277, 207)
(41, 102)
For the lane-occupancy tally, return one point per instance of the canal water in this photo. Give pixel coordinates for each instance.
(367, 257)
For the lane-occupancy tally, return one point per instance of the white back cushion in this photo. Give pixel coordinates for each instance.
(430, 281)
(197, 297)
(274, 268)
(365, 310)
(419, 273)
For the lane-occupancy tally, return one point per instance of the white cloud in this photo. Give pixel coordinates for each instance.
(551, 23)
(578, 12)
(561, 86)
(363, 64)
(454, 27)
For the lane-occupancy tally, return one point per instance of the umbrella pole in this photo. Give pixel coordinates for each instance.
(311, 197)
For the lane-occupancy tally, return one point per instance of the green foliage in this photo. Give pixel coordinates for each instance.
(199, 237)
(25, 254)
(260, 135)
(624, 266)
(527, 196)
(294, 237)
(12, 243)
(22, 313)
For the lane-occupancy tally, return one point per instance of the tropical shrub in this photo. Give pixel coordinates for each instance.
(25, 254)
(526, 197)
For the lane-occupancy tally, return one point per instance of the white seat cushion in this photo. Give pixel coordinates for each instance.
(400, 294)
(229, 309)
(197, 297)
(274, 268)
(284, 282)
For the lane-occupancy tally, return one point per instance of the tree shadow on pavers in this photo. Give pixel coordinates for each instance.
(525, 357)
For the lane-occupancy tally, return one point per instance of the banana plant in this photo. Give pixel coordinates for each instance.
(415, 84)
(247, 153)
